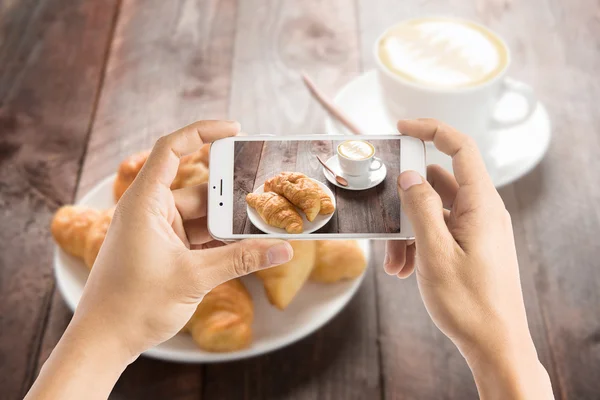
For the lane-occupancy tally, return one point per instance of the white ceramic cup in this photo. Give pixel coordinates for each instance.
(469, 109)
(353, 166)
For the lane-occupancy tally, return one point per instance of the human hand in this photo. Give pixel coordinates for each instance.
(158, 259)
(466, 268)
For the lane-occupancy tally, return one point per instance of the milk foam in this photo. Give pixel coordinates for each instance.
(356, 149)
(442, 52)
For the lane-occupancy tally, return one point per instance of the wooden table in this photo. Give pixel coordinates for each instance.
(375, 210)
(84, 83)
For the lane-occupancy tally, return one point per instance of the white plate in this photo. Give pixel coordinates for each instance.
(314, 305)
(373, 179)
(517, 150)
(308, 227)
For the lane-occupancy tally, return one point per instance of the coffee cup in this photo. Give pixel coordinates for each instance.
(449, 69)
(357, 158)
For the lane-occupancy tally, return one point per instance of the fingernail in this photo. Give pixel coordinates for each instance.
(386, 260)
(408, 179)
(280, 253)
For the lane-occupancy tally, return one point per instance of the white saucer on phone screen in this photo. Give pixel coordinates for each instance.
(308, 227)
(273, 329)
(517, 150)
(365, 182)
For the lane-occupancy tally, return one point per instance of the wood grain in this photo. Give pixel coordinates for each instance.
(558, 202)
(246, 159)
(439, 371)
(155, 84)
(51, 60)
(276, 40)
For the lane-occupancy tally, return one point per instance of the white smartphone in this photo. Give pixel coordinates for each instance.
(363, 204)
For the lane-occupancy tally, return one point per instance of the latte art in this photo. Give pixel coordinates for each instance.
(442, 52)
(356, 149)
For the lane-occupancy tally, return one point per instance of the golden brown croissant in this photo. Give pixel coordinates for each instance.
(127, 172)
(300, 191)
(223, 320)
(95, 237)
(337, 260)
(283, 282)
(327, 206)
(70, 227)
(276, 211)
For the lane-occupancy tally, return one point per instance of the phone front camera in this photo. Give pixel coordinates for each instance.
(221, 203)
(214, 187)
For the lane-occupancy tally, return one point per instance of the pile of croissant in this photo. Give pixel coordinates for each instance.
(223, 320)
(284, 191)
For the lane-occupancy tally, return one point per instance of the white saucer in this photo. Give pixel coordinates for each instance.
(354, 182)
(312, 307)
(308, 227)
(516, 151)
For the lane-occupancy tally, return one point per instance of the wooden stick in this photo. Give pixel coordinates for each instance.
(333, 110)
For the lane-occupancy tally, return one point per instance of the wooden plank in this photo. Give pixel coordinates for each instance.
(559, 200)
(430, 366)
(275, 41)
(169, 65)
(51, 60)
(246, 159)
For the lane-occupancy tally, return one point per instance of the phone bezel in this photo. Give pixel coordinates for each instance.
(220, 189)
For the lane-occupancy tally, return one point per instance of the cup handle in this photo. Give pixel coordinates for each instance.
(378, 161)
(526, 91)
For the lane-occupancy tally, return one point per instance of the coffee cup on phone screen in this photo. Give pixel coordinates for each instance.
(357, 158)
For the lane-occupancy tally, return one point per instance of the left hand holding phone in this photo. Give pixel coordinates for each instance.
(156, 264)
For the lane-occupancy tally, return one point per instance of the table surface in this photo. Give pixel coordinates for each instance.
(255, 162)
(84, 83)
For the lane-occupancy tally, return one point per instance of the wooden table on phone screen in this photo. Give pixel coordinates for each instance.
(84, 83)
(374, 210)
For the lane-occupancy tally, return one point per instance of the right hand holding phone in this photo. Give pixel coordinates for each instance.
(466, 262)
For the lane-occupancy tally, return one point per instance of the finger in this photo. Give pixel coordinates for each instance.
(423, 207)
(444, 183)
(395, 256)
(161, 166)
(191, 201)
(221, 264)
(197, 231)
(409, 265)
(467, 163)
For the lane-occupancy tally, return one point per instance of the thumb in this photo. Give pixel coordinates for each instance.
(224, 263)
(423, 207)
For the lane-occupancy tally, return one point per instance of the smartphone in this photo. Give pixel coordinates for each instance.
(267, 186)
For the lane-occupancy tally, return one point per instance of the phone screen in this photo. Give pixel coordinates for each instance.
(291, 173)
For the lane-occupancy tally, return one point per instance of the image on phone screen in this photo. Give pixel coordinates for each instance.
(276, 182)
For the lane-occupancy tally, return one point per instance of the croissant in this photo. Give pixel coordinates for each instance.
(327, 206)
(300, 191)
(223, 320)
(283, 282)
(337, 260)
(128, 170)
(276, 211)
(95, 237)
(70, 227)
